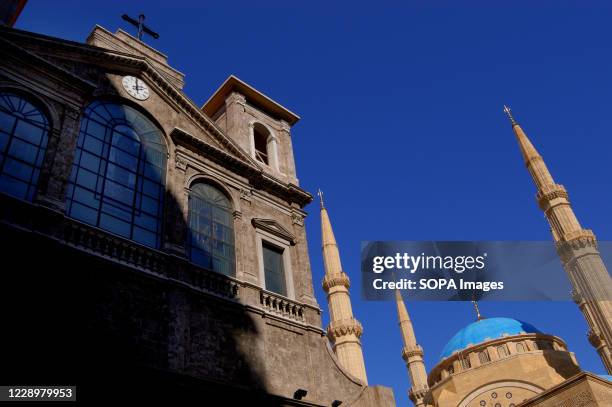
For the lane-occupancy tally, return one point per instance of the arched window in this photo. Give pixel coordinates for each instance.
(465, 362)
(261, 137)
(24, 133)
(118, 176)
(502, 351)
(211, 231)
(520, 348)
(484, 357)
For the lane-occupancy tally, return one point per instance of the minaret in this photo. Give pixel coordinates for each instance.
(412, 354)
(577, 248)
(344, 330)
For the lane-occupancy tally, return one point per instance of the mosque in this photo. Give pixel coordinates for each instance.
(503, 362)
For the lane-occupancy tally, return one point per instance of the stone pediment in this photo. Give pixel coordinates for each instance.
(126, 43)
(275, 228)
(79, 63)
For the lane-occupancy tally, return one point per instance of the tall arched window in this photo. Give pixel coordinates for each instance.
(211, 231)
(118, 177)
(24, 133)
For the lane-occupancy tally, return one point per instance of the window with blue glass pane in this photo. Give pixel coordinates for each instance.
(274, 270)
(118, 176)
(24, 133)
(211, 232)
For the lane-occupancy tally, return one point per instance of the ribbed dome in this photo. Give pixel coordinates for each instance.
(485, 330)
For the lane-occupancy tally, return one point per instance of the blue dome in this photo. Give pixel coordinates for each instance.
(485, 330)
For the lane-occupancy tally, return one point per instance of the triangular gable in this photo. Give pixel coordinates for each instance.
(275, 228)
(62, 52)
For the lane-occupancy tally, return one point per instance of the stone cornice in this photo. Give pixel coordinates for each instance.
(573, 381)
(57, 228)
(254, 174)
(39, 62)
(411, 352)
(445, 363)
(548, 193)
(573, 241)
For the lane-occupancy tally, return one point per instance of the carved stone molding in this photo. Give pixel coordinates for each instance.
(577, 297)
(246, 195)
(550, 192)
(297, 218)
(333, 280)
(581, 399)
(275, 228)
(408, 353)
(284, 126)
(343, 327)
(180, 163)
(574, 241)
(235, 97)
(72, 113)
(595, 337)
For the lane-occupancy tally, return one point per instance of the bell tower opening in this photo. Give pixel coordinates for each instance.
(261, 137)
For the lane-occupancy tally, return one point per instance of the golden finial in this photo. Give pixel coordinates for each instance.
(508, 111)
(320, 193)
(478, 316)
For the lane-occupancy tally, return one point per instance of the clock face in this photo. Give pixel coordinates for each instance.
(135, 87)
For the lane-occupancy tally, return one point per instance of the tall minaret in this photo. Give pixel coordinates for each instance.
(412, 354)
(344, 330)
(577, 248)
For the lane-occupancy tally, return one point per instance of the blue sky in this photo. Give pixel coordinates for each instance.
(402, 124)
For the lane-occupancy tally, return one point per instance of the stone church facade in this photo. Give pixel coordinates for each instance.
(157, 248)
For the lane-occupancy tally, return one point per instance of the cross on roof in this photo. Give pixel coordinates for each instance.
(140, 25)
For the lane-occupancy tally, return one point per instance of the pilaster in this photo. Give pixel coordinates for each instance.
(53, 184)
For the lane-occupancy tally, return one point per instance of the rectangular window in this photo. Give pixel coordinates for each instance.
(274, 269)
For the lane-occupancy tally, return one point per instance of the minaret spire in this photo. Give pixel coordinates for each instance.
(412, 354)
(577, 248)
(508, 111)
(477, 309)
(344, 330)
(320, 193)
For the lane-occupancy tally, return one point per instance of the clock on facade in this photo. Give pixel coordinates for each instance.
(135, 87)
